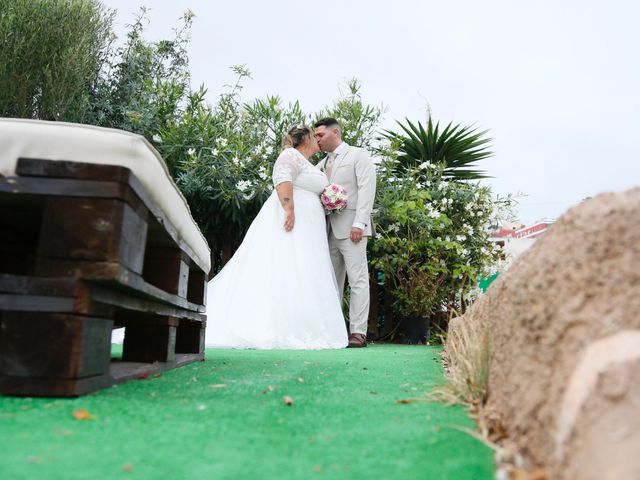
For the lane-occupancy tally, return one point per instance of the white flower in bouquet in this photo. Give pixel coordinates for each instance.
(334, 198)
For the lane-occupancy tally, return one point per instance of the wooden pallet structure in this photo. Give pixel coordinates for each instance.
(94, 235)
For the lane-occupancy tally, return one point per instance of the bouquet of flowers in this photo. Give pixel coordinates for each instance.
(334, 198)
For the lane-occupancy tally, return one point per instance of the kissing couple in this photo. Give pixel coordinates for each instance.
(283, 287)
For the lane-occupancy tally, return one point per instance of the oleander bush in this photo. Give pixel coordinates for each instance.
(60, 60)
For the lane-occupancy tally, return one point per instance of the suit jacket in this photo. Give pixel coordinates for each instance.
(355, 171)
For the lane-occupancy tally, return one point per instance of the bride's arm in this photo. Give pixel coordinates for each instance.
(285, 171)
(285, 194)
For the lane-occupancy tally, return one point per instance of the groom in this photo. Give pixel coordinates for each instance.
(353, 169)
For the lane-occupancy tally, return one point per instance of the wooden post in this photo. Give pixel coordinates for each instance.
(190, 337)
(197, 291)
(146, 339)
(167, 268)
(54, 346)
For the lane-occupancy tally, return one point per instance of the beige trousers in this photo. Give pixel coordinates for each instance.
(350, 260)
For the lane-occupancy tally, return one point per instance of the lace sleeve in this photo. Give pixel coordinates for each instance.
(286, 168)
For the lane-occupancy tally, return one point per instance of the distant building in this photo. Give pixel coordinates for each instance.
(516, 239)
(504, 232)
(533, 231)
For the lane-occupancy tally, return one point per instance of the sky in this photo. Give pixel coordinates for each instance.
(556, 83)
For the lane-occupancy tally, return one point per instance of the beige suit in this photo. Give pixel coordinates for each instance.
(354, 170)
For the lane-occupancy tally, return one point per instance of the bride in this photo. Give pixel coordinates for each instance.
(279, 290)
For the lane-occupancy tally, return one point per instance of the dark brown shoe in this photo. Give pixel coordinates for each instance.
(357, 340)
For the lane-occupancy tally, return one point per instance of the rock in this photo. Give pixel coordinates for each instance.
(598, 430)
(577, 284)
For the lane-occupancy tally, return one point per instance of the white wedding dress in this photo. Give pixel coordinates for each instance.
(279, 291)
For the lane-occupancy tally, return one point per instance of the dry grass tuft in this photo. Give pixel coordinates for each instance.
(466, 359)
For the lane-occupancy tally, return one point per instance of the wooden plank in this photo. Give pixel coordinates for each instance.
(61, 187)
(98, 189)
(23, 284)
(75, 170)
(112, 274)
(81, 229)
(132, 317)
(53, 387)
(119, 372)
(93, 229)
(33, 167)
(86, 173)
(35, 303)
(37, 294)
(122, 371)
(50, 345)
(126, 302)
(73, 295)
(133, 239)
(136, 282)
(52, 267)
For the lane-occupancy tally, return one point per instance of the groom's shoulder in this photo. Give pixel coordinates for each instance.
(358, 150)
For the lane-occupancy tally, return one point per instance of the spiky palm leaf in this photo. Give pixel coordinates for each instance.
(458, 147)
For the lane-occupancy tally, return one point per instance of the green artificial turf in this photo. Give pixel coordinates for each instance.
(225, 418)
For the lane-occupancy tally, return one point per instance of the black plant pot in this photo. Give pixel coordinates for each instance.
(414, 330)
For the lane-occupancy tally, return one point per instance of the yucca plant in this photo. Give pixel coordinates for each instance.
(458, 147)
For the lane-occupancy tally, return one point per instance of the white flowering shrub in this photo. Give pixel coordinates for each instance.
(432, 230)
(432, 237)
(221, 157)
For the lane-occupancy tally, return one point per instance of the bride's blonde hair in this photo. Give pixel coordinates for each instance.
(297, 136)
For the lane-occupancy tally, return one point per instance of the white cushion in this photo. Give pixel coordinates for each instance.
(106, 146)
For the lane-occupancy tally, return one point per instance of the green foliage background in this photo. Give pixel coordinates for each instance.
(60, 60)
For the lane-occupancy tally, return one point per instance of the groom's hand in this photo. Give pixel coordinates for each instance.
(356, 234)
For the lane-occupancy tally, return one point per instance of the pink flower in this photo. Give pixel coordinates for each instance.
(335, 188)
(331, 206)
(324, 198)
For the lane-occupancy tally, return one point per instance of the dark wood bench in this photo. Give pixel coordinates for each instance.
(84, 250)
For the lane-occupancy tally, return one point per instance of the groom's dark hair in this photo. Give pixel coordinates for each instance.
(328, 122)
